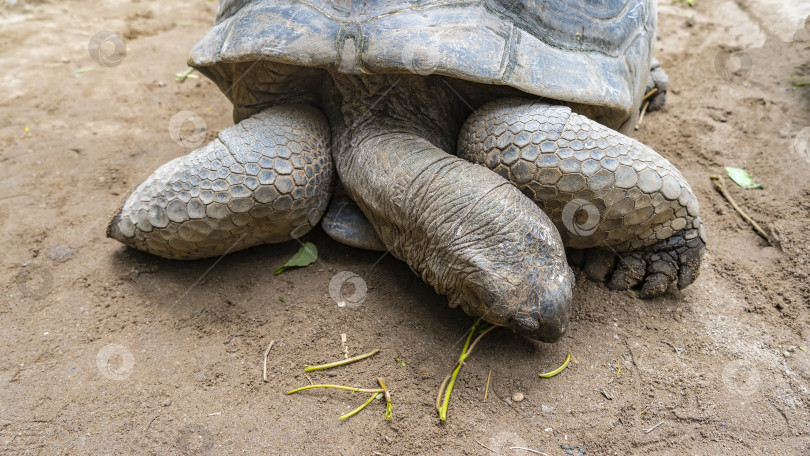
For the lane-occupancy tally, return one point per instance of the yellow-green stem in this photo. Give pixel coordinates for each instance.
(559, 369)
(340, 387)
(389, 405)
(357, 410)
(465, 352)
(309, 368)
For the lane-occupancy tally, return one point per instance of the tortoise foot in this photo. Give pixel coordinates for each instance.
(673, 262)
(658, 79)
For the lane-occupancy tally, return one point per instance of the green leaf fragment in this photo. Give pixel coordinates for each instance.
(742, 178)
(81, 71)
(185, 75)
(305, 256)
(400, 361)
(796, 83)
(283, 299)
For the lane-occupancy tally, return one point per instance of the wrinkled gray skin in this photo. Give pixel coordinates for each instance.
(482, 203)
(477, 236)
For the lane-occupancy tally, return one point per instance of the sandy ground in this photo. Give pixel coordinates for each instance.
(106, 350)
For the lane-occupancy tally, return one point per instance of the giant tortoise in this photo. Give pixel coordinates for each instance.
(480, 140)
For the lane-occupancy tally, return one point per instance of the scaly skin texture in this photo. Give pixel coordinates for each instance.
(266, 179)
(478, 235)
(465, 230)
(601, 189)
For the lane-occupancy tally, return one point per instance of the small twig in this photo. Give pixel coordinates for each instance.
(469, 351)
(559, 369)
(215, 414)
(653, 428)
(150, 423)
(488, 448)
(528, 449)
(489, 375)
(310, 368)
(720, 185)
(266, 352)
(340, 387)
(650, 93)
(678, 350)
(643, 111)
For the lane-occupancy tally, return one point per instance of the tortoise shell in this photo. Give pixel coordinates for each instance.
(593, 55)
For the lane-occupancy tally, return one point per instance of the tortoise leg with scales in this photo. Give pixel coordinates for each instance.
(474, 140)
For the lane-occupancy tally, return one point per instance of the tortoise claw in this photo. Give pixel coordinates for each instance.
(672, 261)
(599, 264)
(629, 272)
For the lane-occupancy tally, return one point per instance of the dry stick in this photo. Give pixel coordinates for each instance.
(641, 116)
(150, 423)
(720, 185)
(469, 351)
(266, 352)
(650, 93)
(487, 390)
(488, 448)
(527, 449)
(653, 428)
(309, 368)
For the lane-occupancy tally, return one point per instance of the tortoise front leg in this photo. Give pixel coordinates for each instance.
(462, 228)
(604, 191)
(266, 179)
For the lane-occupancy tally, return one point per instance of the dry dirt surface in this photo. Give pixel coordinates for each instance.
(106, 350)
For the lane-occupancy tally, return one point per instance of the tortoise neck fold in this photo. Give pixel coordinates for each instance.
(397, 103)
